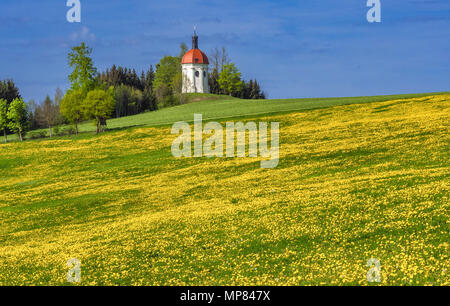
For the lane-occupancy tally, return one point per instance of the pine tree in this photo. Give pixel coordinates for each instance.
(214, 86)
(9, 91)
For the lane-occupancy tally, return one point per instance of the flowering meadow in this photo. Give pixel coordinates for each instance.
(354, 182)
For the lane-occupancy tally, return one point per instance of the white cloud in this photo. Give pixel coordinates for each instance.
(83, 34)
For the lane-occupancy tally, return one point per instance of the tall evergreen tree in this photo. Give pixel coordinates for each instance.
(214, 86)
(9, 91)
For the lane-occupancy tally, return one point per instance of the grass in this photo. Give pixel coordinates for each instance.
(219, 107)
(233, 108)
(357, 179)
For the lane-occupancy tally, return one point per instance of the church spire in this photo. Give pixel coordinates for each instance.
(195, 39)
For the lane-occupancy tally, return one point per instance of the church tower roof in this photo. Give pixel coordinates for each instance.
(195, 55)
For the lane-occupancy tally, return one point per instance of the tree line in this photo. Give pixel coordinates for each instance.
(133, 94)
(116, 92)
(225, 78)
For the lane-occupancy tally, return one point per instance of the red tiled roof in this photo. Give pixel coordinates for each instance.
(195, 56)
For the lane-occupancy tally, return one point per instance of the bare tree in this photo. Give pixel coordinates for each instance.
(224, 60)
(58, 96)
(219, 58)
(215, 58)
(48, 114)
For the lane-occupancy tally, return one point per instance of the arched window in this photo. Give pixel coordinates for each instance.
(197, 74)
(204, 74)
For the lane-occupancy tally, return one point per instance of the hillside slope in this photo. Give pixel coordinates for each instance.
(220, 107)
(354, 182)
(232, 108)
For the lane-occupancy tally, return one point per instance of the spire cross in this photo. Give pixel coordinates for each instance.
(195, 38)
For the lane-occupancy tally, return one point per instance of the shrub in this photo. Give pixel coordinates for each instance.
(70, 130)
(38, 134)
(56, 130)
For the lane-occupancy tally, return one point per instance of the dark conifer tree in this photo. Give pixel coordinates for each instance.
(9, 91)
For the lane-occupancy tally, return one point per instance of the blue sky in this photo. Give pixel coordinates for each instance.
(303, 48)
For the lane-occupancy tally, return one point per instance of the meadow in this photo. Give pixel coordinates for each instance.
(216, 107)
(358, 178)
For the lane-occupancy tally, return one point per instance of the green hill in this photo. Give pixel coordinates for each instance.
(219, 107)
(233, 108)
(357, 179)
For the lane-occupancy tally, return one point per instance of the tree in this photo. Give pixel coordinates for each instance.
(166, 71)
(177, 83)
(4, 117)
(165, 97)
(130, 101)
(99, 105)
(72, 107)
(219, 58)
(255, 91)
(18, 117)
(183, 50)
(58, 96)
(138, 103)
(163, 83)
(84, 73)
(214, 86)
(230, 79)
(150, 99)
(149, 95)
(49, 114)
(122, 95)
(8, 91)
(247, 90)
(149, 77)
(224, 60)
(215, 59)
(133, 94)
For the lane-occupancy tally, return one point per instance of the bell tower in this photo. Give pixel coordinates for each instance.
(195, 65)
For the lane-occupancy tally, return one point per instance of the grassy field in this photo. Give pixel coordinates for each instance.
(358, 178)
(219, 107)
